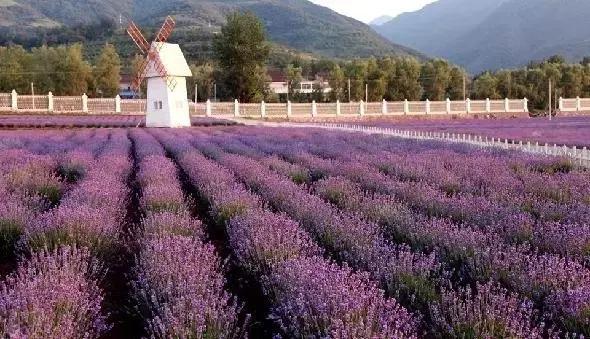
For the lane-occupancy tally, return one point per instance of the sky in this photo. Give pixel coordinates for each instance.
(367, 10)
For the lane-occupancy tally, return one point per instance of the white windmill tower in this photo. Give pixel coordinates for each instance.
(166, 70)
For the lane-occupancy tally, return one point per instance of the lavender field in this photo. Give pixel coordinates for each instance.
(570, 131)
(235, 232)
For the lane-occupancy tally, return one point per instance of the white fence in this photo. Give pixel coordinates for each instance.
(574, 105)
(338, 109)
(13, 102)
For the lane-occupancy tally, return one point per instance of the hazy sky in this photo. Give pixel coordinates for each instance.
(367, 10)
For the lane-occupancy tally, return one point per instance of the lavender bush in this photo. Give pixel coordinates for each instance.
(317, 299)
(487, 312)
(185, 298)
(53, 295)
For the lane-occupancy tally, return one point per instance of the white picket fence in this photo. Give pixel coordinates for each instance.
(13, 102)
(580, 156)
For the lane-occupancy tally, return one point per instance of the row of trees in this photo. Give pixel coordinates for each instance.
(532, 82)
(61, 70)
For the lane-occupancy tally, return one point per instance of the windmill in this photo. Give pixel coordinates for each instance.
(165, 69)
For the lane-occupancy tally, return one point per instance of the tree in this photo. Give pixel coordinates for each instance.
(107, 72)
(204, 79)
(403, 81)
(375, 81)
(11, 69)
(242, 51)
(436, 77)
(72, 73)
(356, 72)
(485, 86)
(294, 78)
(337, 83)
(504, 84)
(455, 89)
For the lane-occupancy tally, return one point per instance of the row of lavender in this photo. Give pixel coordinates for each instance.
(71, 202)
(91, 121)
(504, 227)
(309, 296)
(178, 279)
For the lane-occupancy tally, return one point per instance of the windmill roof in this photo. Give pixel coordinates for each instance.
(173, 60)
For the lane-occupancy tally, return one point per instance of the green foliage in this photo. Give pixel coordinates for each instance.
(242, 51)
(107, 72)
(61, 70)
(204, 79)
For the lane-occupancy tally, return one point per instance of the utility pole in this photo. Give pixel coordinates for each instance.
(215, 91)
(550, 96)
(349, 90)
(288, 89)
(33, 94)
(464, 89)
(366, 92)
(196, 93)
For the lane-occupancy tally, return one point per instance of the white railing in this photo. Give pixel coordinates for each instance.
(580, 156)
(13, 102)
(574, 105)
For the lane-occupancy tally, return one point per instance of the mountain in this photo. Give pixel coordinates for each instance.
(494, 34)
(381, 20)
(297, 24)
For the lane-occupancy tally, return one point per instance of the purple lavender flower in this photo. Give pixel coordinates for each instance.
(55, 295)
(260, 239)
(487, 312)
(180, 283)
(314, 298)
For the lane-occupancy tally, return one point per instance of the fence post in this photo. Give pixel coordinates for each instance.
(236, 108)
(117, 104)
(525, 103)
(427, 106)
(208, 108)
(263, 109)
(406, 107)
(84, 103)
(448, 106)
(338, 108)
(314, 109)
(362, 108)
(50, 102)
(289, 109)
(561, 104)
(384, 107)
(468, 105)
(14, 100)
(578, 104)
(506, 105)
(488, 105)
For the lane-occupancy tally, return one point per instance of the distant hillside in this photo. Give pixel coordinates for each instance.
(381, 20)
(298, 24)
(493, 34)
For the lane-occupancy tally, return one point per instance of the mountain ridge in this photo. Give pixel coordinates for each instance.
(298, 24)
(494, 34)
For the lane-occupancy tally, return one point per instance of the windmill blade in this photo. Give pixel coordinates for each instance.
(141, 73)
(166, 30)
(160, 68)
(138, 37)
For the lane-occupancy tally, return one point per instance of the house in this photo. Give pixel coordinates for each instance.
(279, 84)
(125, 89)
